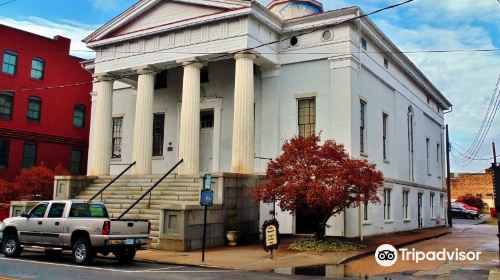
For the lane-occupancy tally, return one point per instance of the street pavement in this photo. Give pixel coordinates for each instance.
(37, 266)
(466, 236)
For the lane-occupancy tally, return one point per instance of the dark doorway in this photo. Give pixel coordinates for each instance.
(419, 211)
(306, 223)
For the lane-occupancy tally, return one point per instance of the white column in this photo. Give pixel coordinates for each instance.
(189, 145)
(243, 123)
(101, 136)
(143, 126)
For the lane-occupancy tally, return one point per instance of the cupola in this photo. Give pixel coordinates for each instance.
(290, 9)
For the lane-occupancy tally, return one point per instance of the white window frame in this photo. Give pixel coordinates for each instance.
(406, 206)
(363, 147)
(387, 205)
(431, 204)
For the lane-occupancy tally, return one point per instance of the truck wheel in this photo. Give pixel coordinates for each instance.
(82, 251)
(125, 255)
(11, 246)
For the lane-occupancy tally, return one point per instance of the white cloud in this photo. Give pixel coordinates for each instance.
(105, 5)
(74, 30)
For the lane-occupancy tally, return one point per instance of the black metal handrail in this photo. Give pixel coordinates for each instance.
(150, 189)
(112, 181)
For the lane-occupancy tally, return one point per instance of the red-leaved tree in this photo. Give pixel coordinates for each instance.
(37, 183)
(318, 179)
(470, 200)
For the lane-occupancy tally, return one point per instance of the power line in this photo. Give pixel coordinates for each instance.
(278, 52)
(5, 3)
(480, 132)
(454, 147)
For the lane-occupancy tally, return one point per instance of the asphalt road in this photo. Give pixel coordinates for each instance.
(37, 266)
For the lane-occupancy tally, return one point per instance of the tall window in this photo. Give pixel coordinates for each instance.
(307, 117)
(6, 105)
(406, 215)
(432, 204)
(158, 134)
(29, 155)
(385, 117)
(441, 204)
(79, 116)
(4, 153)
(427, 155)
(117, 137)
(365, 211)
(9, 65)
(410, 144)
(34, 109)
(75, 161)
(364, 44)
(438, 159)
(387, 204)
(37, 68)
(362, 127)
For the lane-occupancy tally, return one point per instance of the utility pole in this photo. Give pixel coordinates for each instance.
(495, 171)
(448, 176)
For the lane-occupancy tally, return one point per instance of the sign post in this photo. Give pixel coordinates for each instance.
(206, 199)
(270, 229)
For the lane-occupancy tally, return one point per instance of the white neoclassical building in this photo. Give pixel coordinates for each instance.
(222, 83)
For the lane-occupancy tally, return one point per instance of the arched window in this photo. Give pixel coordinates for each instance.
(411, 164)
(6, 105)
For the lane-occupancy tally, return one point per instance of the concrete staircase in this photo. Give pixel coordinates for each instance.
(126, 190)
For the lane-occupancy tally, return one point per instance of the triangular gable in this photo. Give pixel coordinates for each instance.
(147, 14)
(166, 12)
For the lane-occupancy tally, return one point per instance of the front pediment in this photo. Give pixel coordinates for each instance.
(166, 12)
(150, 14)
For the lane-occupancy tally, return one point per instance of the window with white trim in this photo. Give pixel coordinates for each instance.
(362, 127)
(406, 214)
(387, 204)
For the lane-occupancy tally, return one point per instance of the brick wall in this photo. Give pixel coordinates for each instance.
(478, 184)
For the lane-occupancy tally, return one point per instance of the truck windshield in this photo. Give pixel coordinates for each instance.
(86, 210)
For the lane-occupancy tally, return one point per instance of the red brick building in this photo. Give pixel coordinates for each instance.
(44, 116)
(477, 184)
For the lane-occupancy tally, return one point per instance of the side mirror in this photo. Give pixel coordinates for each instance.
(24, 215)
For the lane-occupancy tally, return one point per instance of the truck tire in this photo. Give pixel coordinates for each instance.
(82, 251)
(125, 255)
(11, 246)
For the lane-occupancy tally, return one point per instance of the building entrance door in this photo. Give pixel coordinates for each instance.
(206, 140)
(419, 212)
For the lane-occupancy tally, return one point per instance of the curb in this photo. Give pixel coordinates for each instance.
(370, 252)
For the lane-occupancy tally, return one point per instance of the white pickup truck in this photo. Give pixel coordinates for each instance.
(81, 226)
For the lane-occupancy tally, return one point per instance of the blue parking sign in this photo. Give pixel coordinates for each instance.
(207, 198)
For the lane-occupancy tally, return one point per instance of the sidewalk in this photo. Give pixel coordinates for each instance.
(253, 257)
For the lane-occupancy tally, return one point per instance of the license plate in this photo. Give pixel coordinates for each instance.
(130, 242)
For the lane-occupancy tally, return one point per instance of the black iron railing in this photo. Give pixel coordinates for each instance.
(112, 181)
(150, 189)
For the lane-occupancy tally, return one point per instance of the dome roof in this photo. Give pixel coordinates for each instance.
(289, 9)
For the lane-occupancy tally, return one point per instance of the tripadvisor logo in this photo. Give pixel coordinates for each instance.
(386, 255)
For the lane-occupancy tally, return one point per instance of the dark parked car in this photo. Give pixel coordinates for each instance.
(461, 212)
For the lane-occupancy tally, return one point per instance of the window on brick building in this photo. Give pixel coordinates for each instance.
(29, 154)
(75, 161)
(4, 153)
(6, 105)
(34, 109)
(37, 68)
(79, 116)
(9, 64)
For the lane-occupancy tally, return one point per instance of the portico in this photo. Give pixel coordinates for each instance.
(242, 159)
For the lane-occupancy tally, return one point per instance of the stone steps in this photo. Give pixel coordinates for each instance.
(126, 190)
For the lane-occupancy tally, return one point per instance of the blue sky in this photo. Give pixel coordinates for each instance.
(466, 78)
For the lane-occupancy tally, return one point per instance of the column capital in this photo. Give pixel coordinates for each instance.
(103, 77)
(247, 56)
(145, 69)
(192, 64)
